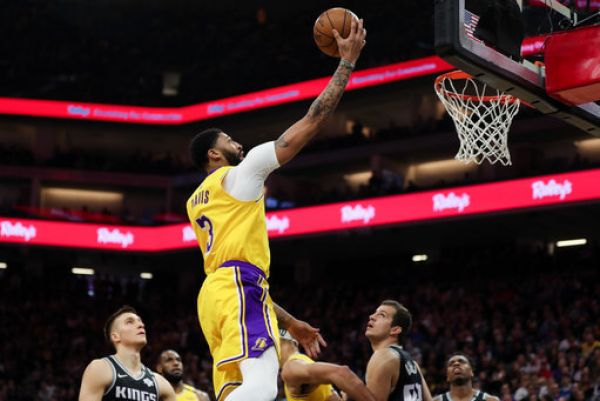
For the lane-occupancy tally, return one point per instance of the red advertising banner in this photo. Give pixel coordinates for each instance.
(579, 5)
(231, 105)
(533, 45)
(451, 202)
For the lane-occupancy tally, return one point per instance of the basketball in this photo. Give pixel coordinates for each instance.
(337, 18)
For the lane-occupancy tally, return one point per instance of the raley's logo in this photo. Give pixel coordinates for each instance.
(7, 229)
(442, 202)
(541, 190)
(106, 236)
(280, 225)
(188, 234)
(357, 213)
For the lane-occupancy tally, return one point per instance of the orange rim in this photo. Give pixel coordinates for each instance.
(457, 75)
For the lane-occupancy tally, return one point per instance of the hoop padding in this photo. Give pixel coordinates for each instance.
(482, 121)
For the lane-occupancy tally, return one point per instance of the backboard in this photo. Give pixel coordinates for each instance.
(525, 78)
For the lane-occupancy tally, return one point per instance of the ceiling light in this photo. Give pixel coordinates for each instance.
(571, 242)
(83, 271)
(419, 258)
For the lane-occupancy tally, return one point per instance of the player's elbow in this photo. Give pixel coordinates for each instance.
(313, 123)
(342, 374)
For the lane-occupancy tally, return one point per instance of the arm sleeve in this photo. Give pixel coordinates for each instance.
(245, 182)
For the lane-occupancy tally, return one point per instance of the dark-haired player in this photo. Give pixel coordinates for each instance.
(392, 374)
(459, 374)
(171, 367)
(122, 376)
(238, 318)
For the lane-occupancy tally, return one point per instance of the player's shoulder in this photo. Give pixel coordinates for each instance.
(301, 358)
(296, 363)
(165, 388)
(99, 365)
(190, 388)
(200, 395)
(438, 397)
(398, 352)
(157, 375)
(216, 176)
(99, 371)
(387, 352)
(489, 397)
(384, 358)
(160, 379)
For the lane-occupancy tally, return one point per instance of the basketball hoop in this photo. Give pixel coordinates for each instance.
(482, 117)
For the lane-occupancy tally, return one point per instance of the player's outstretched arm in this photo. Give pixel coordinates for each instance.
(298, 135)
(297, 372)
(96, 379)
(308, 336)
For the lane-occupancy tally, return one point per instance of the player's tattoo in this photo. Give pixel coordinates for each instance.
(283, 317)
(281, 142)
(325, 104)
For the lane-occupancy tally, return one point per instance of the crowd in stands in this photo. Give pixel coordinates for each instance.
(121, 53)
(216, 53)
(165, 163)
(530, 321)
(382, 181)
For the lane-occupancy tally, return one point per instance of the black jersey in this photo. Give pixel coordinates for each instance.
(125, 387)
(410, 383)
(478, 396)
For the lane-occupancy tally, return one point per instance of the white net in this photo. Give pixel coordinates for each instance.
(482, 120)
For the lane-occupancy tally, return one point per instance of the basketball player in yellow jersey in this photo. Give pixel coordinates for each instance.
(171, 367)
(307, 380)
(238, 318)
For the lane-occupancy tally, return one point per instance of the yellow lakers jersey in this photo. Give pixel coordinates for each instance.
(227, 228)
(188, 393)
(320, 393)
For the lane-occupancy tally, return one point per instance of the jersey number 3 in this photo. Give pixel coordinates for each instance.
(206, 225)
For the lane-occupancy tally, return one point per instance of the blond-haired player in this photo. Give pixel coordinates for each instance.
(122, 376)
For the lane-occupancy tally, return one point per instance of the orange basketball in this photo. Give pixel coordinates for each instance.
(337, 18)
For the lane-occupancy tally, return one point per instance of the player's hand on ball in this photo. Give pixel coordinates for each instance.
(351, 47)
(307, 336)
